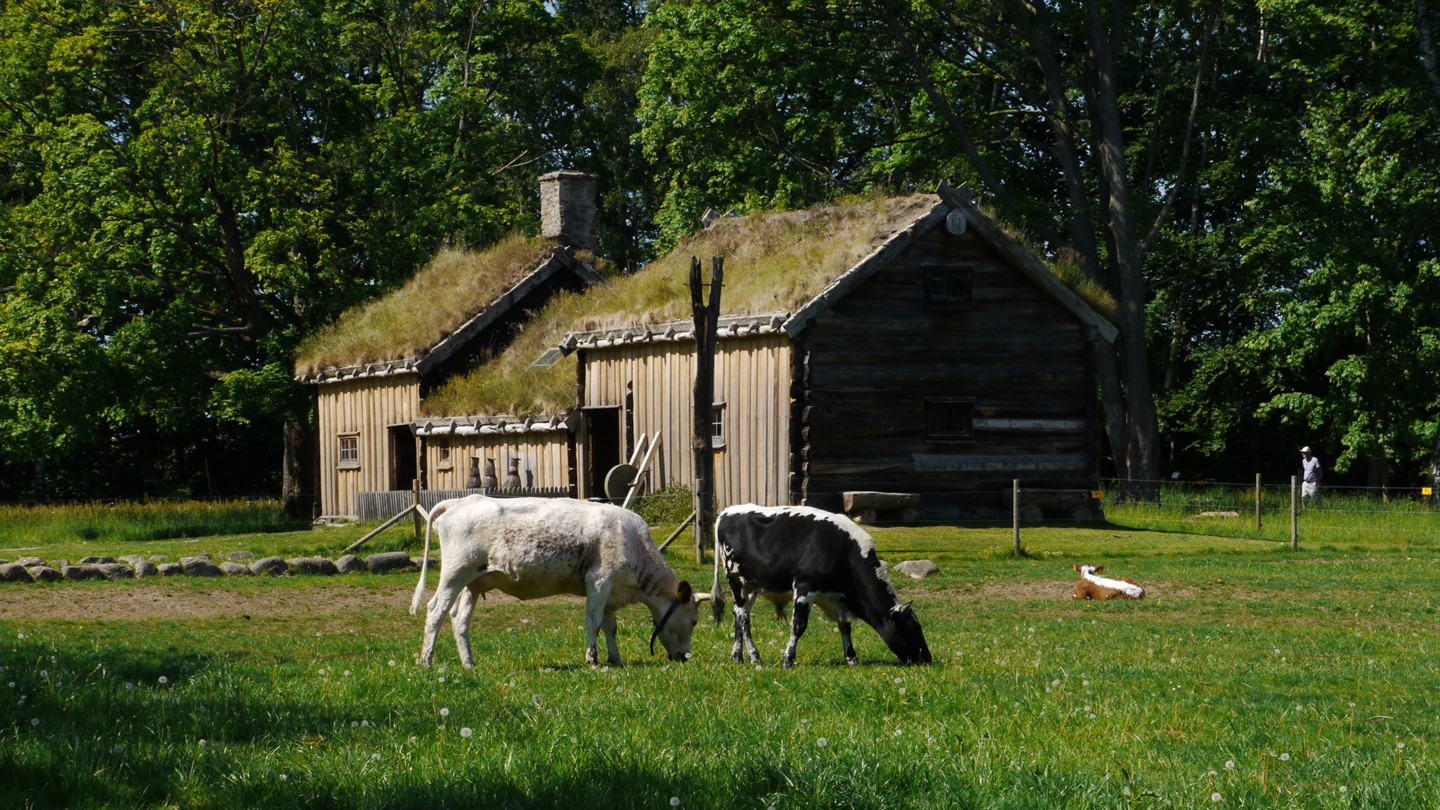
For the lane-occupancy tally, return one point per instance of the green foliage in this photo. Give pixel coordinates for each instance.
(667, 506)
(126, 522)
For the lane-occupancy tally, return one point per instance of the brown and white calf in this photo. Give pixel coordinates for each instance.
(1092, 586)
(536, 547)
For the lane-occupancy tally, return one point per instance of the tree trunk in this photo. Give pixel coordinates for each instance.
(41, 495)
(1435, 470)
(296, 501)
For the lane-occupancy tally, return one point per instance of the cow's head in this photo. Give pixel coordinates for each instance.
(1086, 570)
(902, 634)
(677, 623)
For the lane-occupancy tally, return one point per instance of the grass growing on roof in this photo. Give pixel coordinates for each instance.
(448, 291)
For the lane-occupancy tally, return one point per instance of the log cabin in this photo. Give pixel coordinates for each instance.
(373, 367)
(909, 346)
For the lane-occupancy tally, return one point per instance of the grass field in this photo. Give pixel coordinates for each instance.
(1261, 676)
(125, 522)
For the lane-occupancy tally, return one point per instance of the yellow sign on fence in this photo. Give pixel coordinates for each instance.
(1099, 494)
(1426, 491)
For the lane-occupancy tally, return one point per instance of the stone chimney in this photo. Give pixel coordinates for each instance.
(567, 208)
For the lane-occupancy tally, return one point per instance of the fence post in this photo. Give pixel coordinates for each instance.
(1258, 525)
(415, 500)
(1294, 516)
(1015, 513)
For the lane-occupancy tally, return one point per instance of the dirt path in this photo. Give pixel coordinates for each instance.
(134, 601)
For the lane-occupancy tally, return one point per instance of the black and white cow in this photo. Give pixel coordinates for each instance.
(818, 558)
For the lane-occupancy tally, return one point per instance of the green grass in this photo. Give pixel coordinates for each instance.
(1305, 669)
(24, 526)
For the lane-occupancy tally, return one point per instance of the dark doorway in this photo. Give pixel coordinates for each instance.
(402, 457)
(602, 447)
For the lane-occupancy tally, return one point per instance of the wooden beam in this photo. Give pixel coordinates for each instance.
(382, 527)
(678, 529)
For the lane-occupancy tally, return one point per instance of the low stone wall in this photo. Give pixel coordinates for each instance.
(234, 564)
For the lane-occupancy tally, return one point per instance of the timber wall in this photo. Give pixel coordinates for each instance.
(880, 352)
(543, 454)
(365, 407)
(752, 378)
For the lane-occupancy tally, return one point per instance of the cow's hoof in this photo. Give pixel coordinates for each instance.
(736, 656)
(615, 662)
(788, 663)
(592, 657)
(853, 662)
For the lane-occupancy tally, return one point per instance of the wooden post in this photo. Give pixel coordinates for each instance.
(1294, 515)
(1015, 513)
(415, 495)
(707, 319)
(1257, 505)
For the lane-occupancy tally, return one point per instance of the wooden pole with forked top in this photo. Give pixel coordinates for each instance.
(707, 321)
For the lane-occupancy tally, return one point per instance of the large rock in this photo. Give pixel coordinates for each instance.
(11, 572)
(240, 555)
(44, 573)
(387, 561)
(115, 570)
(6, 562)
(235, 569)
(312, 565)
(197, 566)
(29, 562)
(199, 555)
(269, 566)
(59, 565)
(917, 569)
(80, 572)
(434, 563)
(97, 561)
(171, 570)
(350, 564)
(132, 560)
(145, 568)
(159, 558)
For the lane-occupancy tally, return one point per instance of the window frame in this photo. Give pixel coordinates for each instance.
(342, 463)
(717, 420)
(945, 299)
(442, 456)
(950, 438)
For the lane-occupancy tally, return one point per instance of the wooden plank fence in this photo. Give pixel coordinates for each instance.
(383, 505)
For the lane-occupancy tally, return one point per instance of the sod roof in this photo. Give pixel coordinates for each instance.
(441, 297)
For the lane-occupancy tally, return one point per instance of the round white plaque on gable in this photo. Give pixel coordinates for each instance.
(955, 222)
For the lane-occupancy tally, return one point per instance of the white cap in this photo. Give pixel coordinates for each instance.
(1305, 449)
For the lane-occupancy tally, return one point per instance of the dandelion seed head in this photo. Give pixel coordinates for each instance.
(820, 742)
(44, 673)
(1214, 797)
(392, 662)
(1229, 764)
(354, 723)
(364, 723)
(1284, 757)
(442, 679)
(1344, 789)
(34, 721)
(902, 690)
(674, 801)
(283, 777)
(466, 732)
(1399, 746)
(119, 749)
(202, 743)
(619, 689)
(164, 679)
(1176, 661)
(1055, 682)
(347, 673)
(445, 712)
(1032, 629)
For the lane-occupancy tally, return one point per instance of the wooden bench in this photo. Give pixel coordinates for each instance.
(869, 507)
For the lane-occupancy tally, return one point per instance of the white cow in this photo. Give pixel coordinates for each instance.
(535, 547)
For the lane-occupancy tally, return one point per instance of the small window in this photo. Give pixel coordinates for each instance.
(947, 288)
(444, 450)
(443, 446)
(350, 452)
(949, 420)
(717, 425)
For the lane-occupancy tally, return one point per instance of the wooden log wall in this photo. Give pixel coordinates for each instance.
(365, 407)
(541, 453)
(752, 378)
(880, 352)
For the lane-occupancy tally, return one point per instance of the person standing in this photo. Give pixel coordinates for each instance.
(1311, 473)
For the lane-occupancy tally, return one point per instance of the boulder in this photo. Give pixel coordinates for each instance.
(311, 565)
(350, 564)
(29, 562)
(10, 572)
(269, 566)
(917, 569)
(387, 561)
(199, 555)
(115, 570)
(6, 562)
(159, 558)
(59, 565)
(240, 555)
(97, 561)
(434, 563)
(145, 568)
(171, 569)
(198, 566)
(235, 569)
(80, 572)
(44, 573)
(132, 559)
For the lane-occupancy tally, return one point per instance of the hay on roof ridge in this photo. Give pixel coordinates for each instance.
(449, 290)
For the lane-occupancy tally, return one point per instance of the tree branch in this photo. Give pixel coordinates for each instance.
(1169, 204)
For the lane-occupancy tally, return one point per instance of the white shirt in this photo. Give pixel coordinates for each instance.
(1312, 469)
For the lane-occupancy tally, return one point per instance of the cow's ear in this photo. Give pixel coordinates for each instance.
(1076, 566)
(1099, 568)
(684, 592)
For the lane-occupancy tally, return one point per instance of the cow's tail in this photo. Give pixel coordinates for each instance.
(425, 560)
(717, 595)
